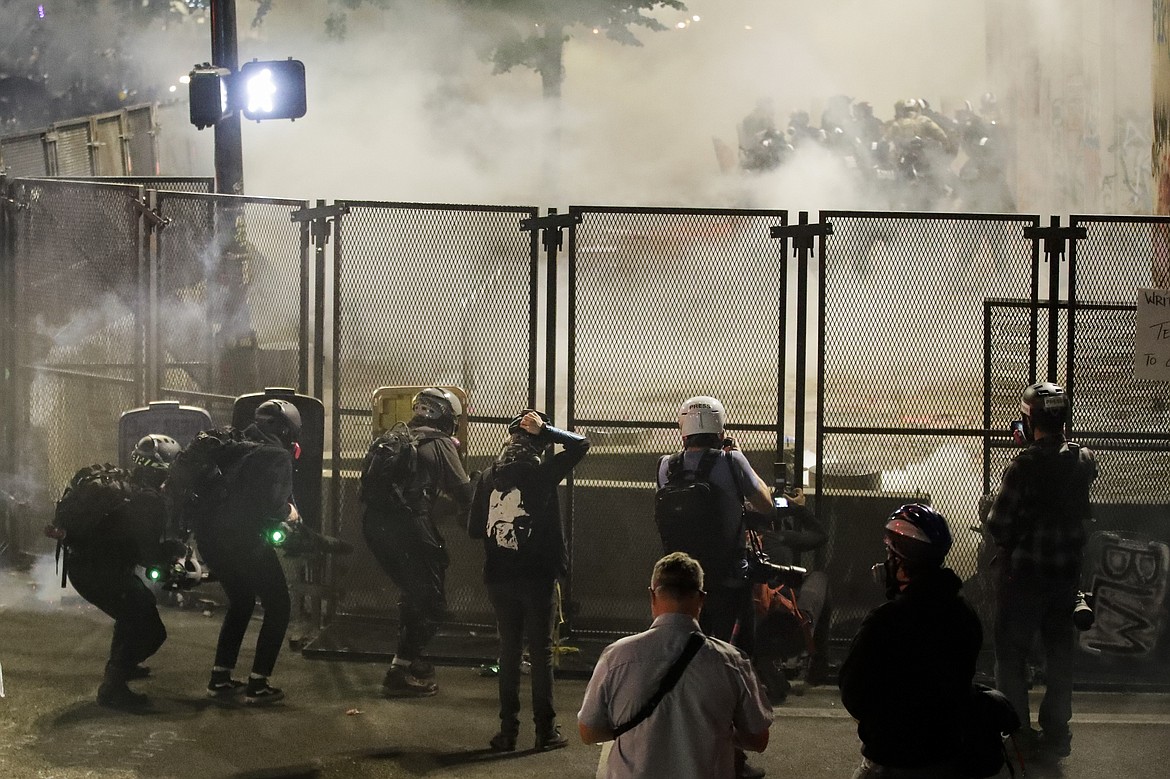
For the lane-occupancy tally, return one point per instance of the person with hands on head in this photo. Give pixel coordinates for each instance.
(516, 512)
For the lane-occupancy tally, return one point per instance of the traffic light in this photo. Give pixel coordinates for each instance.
(208, 95)
(271, 89)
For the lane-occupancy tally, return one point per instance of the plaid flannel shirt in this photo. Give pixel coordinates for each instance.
(1039, 515)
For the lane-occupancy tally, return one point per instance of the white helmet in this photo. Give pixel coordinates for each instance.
(702, 414)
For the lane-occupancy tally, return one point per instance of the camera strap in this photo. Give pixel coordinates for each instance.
(669, 680)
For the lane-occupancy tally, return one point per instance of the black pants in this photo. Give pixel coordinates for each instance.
(524, 611)
(419, 570)
(248, 572)
(117, 590)
(729, 615)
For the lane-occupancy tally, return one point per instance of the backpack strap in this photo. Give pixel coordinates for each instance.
(669, 680)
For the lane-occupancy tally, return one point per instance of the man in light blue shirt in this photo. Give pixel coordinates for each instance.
(715, 706)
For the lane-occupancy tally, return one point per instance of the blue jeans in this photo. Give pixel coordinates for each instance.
(1026, 605)
(524, 610)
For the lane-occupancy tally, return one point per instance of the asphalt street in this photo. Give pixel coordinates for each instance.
(334, 723)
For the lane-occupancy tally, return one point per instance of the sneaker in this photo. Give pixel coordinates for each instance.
(503, 742)
(119, 696)
(222, 685)
(138, 672)
(400, 683)
(261, 693)
(553, 739)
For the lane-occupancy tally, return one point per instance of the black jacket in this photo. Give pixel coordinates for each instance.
(537, 538)
(259, 493)
(908, 675)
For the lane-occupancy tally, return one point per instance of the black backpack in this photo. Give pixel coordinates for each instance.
(990, 720)
(687, 512)
(93, 493)
(197, 481)
(390, 481)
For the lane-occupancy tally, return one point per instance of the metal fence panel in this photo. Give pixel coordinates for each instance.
(902, 373)
(141, 142)
(24, 155)
(71, 149)
(230, 284)
(77, 280)
(109, 157)
(427, 294)
(664, 305)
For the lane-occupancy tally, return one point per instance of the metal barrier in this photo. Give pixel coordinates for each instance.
(896, 350)
(116, 143)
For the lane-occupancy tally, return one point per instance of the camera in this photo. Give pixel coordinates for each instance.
(758, 568)
(1082, 614)
(296, 539)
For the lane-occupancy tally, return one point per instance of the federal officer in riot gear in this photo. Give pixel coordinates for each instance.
(109, 521)
(257, 493)
(1038, 523)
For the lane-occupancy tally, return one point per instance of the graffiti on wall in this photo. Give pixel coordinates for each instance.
(1128, 582)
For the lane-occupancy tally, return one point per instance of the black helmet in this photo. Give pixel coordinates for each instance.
(918, 534)
(279, 418)
(155, 451)
(437, 405)
(1045, 405)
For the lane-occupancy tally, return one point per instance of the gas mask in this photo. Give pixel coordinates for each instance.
(885, 575)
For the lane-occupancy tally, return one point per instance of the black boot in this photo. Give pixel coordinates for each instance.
(113, 692)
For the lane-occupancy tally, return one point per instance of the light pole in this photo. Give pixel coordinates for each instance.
(229, 144)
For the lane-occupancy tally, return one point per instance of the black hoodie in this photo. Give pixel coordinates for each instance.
(908, 675)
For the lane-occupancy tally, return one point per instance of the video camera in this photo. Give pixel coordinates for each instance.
(758, 568)
(182, 574)
(296, 539)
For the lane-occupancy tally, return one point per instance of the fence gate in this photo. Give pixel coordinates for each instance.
(901, 415)
(663, 305)
(424, 295)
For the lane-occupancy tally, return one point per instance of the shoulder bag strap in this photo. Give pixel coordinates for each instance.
(673, 674)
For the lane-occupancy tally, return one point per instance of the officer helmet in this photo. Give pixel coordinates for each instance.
(701, 414)
(279, 418)
(1045, 405)
(918, 534)
(155, 451)
(437, 404)
(904, 108)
